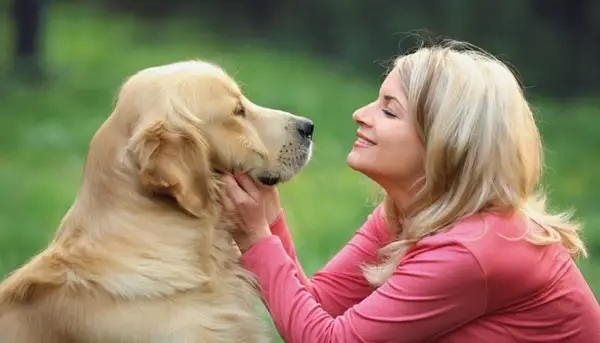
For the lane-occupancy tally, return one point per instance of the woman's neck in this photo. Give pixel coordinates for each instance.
(401, 196)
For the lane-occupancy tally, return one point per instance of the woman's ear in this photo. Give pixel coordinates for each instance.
(175, 161)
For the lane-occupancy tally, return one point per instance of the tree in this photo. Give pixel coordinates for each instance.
(27, 16)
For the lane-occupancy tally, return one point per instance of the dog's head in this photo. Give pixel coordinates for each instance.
(190, 120)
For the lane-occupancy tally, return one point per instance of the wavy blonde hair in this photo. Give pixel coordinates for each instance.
(483, 151)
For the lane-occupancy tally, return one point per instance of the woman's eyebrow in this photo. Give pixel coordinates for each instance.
(393, 98)
(390, 98)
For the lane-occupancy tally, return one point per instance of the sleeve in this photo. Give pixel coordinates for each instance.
(341, 283)
(432, 292)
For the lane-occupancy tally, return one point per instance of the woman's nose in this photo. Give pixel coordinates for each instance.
(361, 116)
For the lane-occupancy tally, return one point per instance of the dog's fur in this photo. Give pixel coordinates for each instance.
(145, 253)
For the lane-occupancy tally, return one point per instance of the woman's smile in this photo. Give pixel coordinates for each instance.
(363, 141)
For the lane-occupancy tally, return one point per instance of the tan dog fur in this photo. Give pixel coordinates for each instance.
(145, 254)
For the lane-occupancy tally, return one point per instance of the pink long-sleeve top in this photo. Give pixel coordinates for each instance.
(479, 282)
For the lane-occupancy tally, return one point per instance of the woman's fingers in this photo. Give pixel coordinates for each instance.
(228, 204)
(247, 184)
(236, 194)
(241, 190)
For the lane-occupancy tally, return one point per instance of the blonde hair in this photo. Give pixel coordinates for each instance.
(483, 151)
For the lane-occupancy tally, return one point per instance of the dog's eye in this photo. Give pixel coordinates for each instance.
(240, 110)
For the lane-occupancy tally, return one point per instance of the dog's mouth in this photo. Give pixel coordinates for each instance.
(289, 165)
(269, 180)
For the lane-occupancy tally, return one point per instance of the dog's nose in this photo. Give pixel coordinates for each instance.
(305, 128)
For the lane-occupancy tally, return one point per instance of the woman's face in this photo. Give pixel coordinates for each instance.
(388, 148)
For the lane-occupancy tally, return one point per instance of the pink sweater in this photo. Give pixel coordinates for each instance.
(476, 283)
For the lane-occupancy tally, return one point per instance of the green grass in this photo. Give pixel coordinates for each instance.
(46, 132)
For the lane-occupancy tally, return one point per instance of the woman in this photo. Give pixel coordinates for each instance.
(469, 251)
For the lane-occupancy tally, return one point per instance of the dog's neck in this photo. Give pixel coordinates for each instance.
(163, 244)
(145, 244)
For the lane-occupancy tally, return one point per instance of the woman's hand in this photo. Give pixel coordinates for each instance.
(272, 204)
(244, 199)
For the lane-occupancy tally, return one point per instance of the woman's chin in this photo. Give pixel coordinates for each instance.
(354, 161)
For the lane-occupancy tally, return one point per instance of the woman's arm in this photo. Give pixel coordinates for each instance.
(340, 284)
(434, 290)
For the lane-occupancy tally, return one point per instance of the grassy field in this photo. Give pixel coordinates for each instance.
(46, 132)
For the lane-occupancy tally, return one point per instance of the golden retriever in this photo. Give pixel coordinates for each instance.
(145, 254)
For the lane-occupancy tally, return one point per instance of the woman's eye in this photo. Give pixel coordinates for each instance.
(388, 113)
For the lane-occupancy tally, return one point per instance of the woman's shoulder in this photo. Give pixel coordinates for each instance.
(486, 228)
(499, 243)
(376, 226)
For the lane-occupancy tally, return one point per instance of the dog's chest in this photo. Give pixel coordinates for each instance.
(226, 313)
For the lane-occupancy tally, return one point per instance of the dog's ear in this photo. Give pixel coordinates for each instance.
(174, 161)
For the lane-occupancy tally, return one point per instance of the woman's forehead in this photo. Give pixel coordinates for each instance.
(392, 85)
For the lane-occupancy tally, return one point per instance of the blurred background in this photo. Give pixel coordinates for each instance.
(63, 61)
